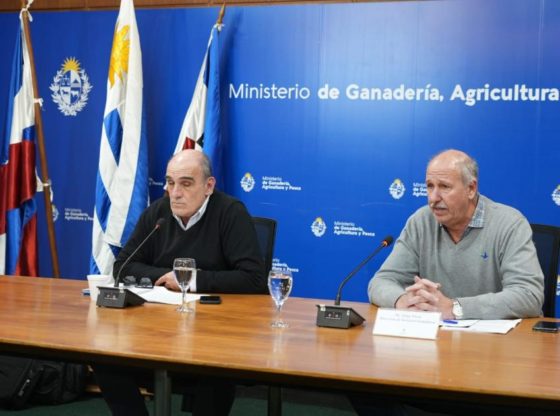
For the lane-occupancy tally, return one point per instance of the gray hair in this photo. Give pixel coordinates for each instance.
(206, 166)
(466, 165)
(469, 169)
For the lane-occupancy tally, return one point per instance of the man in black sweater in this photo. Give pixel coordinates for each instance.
(201, 223)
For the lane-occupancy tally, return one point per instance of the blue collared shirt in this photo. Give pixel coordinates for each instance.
(477, 220)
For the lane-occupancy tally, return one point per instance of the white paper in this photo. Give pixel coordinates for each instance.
(458, 323)
(159, 294)
(491, 326)
(409, 324)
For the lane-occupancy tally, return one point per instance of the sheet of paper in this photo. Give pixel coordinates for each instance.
(458, 323)
(160, 294)
(409, 324)
(491, 326)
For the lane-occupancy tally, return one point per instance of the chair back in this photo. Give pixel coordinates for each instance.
(547, 243)
(266, 234)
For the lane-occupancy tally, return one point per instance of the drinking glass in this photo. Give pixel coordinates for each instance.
(184, 269)
(280, 286)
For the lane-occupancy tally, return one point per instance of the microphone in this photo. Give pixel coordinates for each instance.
(159, 223)
(387, 241)
(341, 317)
(117, 297)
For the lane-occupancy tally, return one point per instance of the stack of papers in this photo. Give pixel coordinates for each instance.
(492, 326)
(159, 294)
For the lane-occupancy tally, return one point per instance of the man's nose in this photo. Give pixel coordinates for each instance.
(434, 195)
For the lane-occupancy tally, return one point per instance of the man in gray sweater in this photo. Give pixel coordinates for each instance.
(462, 255)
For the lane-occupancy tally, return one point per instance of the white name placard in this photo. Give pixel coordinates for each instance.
(410, 324)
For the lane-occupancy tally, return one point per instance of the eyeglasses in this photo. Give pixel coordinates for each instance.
(129, 281)
(145, 282)
(142, 282)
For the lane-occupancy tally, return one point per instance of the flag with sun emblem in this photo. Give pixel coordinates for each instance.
(18, 211)
(201, 126)
(122, 180)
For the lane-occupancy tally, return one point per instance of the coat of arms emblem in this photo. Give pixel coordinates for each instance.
(70, 87)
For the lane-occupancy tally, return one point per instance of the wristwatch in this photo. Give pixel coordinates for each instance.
(457, 309)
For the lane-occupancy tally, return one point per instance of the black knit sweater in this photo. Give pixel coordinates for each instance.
(223, 243)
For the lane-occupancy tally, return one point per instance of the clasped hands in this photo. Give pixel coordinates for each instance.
(425, 295)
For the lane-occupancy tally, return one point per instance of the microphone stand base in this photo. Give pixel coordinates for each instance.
(338, 317)
(117, 297)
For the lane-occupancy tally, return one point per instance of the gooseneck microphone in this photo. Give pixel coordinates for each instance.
(159, 223)
(341, 317)
(387, 241)
(118, 297)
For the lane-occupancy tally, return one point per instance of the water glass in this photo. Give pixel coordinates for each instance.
(184, 269)
(280, 286)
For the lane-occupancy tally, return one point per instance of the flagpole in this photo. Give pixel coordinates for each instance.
(221, 14)
(41, 143)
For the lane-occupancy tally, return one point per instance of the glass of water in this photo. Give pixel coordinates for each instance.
(280, 286)
(184, 269)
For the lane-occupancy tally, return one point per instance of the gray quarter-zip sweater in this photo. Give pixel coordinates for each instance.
(493, 270)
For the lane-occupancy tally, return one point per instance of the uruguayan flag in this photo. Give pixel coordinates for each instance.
(122, 181)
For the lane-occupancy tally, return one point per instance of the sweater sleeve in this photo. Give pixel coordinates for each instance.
(397, 272)
(245, 267)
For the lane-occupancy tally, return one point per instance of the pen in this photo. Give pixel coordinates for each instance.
(449, 321)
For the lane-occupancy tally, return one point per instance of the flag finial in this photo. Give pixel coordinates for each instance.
(25, 9)
(221, 14)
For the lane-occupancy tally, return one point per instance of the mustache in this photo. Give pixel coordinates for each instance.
(434, 205)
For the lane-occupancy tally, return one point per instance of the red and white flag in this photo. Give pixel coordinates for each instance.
(18, 183)
(201, 126)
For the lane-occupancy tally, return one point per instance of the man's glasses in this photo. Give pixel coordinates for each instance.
(143, 282)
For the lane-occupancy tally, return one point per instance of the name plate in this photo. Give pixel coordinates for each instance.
(409, 324)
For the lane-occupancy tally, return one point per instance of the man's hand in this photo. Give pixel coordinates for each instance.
(168, 280)
(425, 295)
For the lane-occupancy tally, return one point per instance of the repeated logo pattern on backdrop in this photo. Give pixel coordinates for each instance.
(268, 183)
(556, 195)
(397, 189)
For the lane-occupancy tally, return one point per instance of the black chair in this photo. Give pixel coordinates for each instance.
(266, 234)
(547, 243)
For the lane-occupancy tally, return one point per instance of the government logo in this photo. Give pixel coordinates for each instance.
(318, 227)
(419, 189)
(280, 265)
(397, 189)
(556, 195)
(70, 87)
(247, 182)
(55, 213)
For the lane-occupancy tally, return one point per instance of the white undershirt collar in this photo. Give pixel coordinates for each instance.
(195, 218)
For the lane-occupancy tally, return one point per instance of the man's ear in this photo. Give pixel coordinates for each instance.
(210, 185)
(473, 189)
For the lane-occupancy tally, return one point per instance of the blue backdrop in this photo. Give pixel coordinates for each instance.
(330, 114)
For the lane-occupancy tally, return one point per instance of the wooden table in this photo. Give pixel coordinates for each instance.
(51, 318)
